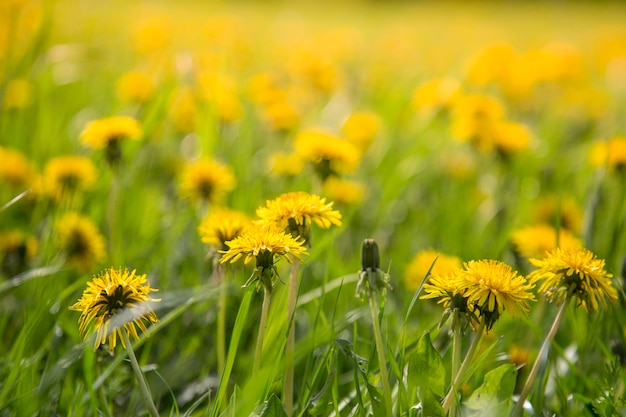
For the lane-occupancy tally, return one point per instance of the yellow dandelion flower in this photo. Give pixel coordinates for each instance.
(566, 208)
(280, 114)
(610, 154)
(80, 241)
(444, 287)
(99, 133)
(16, 249)
(330, 154)
(285, 164)
(473, 118)
(15, 169)
(518, 355)
(575, 271)
(492, 64)
(296, 211)
(135, 87)
(510, 137)
(435, 93)
(360, 128)
(344, 191)
(418, 267)
(222, 225)
(206, 180)
(66, 175)
(492, 287)
(183, 109)
(267, 244)
(535, 241)
(112, 296)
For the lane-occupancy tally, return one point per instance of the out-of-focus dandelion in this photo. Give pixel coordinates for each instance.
(610, 154)
(16, 170)
(360, 128)
(285, 164)
(510, 137)
(16, 250)
(473, 118)
(183, 110)
(66, 176)
(107, 133)
(421, 262)
(549, 209)
(221, 225)
(206, 180)
(535, 241)
(329, 154)
(436, 93)
(344, 191)
(18, 94)
(80, 241)
(135, 87)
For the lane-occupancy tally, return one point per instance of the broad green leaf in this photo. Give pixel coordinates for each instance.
(493, 397)
(426, 368)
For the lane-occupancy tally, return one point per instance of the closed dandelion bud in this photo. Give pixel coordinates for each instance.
(371, 278)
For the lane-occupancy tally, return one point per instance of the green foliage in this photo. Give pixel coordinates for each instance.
(493, 397)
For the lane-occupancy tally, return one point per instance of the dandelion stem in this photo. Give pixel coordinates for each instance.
(542, 352)
(450, 397)
(143, 387)
(112, 215)
(456, 351)
(291, 339)
(222, 279)
(380, 348)
(262, 325)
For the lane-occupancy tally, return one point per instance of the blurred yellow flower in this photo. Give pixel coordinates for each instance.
(16, 249)
(16, 170)
(183, 109)
(574, 272)
(566, 208)
(518, 355)
(535, 241)
(18, 94)
(610, 154)
(360, 128)
(473, 118)
(66, 175)
(510, 137)
(343, 191)
(221, 225)
(420, 263)
(492, 64)
(152, 34)
(280, 114)
(330, 154)
(135, 87)
(285, 164)
(115, 295)
(492, 287)
(102, 133)
(80, 241)
(436, 93)
(206, 180)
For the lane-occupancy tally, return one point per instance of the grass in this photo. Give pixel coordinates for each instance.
(423, 189)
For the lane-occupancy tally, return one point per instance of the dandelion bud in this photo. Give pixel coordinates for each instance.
(370, 258)
(371, 278)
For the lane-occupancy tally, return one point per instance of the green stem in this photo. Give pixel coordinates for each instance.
(380, 348)
(143, 387)
(542, 352)
(456, 351)
(112, 216)
(450, 397)
(262, 325)
(291, 339)
(221, 318)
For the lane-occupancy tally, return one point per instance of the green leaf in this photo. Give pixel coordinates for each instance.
(493, 397)
(426, 368)
(430, 405)
(271, 408)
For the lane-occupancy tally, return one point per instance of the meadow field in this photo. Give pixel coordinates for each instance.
(351, 208)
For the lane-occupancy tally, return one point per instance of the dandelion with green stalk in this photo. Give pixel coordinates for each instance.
(566, 274)
(294, 213)
(477, 294)
(267, 244)
(220, 226)
(114, 304)
(372, 281)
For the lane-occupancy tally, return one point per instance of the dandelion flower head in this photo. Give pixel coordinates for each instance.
(206, 180)
(492, 287)
(535, 241)
(99, 133)
(115, 291)
(135, 87)
(16, 169)
(221, 225)
(360, 128)
(421, 263)
(577, 271)
(80, 241)
(611, 153)
(435, 93)
(331, 154)
(66, 175)
(344, 191)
